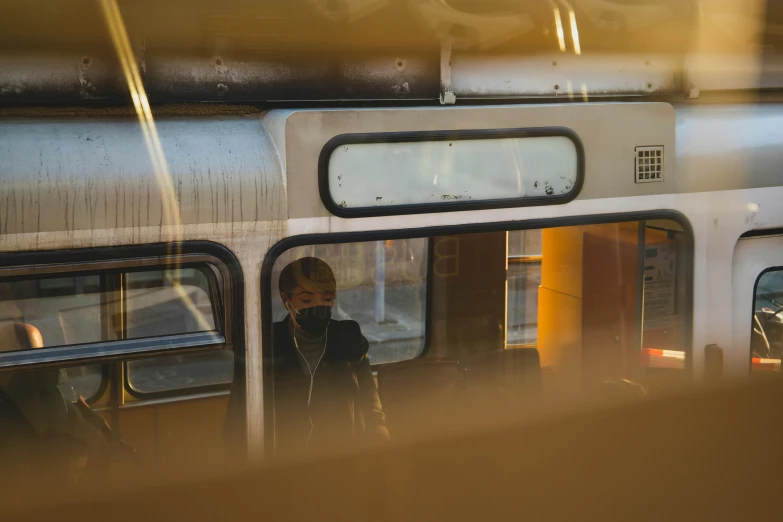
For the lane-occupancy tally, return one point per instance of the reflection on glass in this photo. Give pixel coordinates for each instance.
(162, 302)
(82, 381)
(179, 372)
(60, 311)
(65, 310)
(523, 283)
(524, 278)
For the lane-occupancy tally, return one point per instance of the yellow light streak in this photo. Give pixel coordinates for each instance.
(169, 201)
(574, 32)
(560, 32)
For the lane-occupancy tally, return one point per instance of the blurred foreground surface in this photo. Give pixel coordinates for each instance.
(706, 455)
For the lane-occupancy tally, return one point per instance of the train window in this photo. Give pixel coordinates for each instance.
(524, 278)
(65, 310)
(767, 333)
(162, 302)
(52, 306)
(91, 308)
(180, 372)
(83, 381)
(143, 303)
(383, 287)
(433, 172)
(584, 305)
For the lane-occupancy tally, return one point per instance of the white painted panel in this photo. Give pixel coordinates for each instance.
(384, 174)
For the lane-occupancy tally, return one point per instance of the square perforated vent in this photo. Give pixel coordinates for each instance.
(649, 164)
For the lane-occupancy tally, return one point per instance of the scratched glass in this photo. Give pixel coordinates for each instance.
(365, 175)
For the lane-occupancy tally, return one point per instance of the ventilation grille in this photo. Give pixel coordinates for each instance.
(649, 164)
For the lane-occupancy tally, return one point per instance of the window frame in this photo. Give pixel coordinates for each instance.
(685, 336)
(447, 135)
(229, 325)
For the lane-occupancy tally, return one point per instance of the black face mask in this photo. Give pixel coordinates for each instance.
(314, 320)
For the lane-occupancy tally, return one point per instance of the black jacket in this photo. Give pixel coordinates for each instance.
(345, 409)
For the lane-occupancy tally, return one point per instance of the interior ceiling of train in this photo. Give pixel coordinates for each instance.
(277, 50)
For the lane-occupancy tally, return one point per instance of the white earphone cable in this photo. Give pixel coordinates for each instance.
(311, 372)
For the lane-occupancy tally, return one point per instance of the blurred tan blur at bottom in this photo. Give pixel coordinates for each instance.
(695, 456)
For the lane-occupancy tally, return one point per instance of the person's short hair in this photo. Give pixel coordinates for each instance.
(310, 273)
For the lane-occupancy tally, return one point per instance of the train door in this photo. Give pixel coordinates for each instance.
(496, 323)
(758, 305)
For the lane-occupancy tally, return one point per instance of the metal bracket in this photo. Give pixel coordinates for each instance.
(447, 96)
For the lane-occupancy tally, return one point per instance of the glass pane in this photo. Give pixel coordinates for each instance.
(523, 282)
(64, 310)
(661, 314)
(448, 171)
(180, 372)
(164, 302)
(381, 285)
(524, 243)
(524, 278)
(769, 291)
(82, 381)
(767, 335)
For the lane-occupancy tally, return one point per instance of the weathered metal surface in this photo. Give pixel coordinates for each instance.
(565, 75)
(359, 77)
(298, 50)
(79, 78)
(67, 79)
(73, 175)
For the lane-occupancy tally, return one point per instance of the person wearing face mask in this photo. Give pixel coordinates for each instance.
(325, 397)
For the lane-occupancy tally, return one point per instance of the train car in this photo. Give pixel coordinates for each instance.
(498, 248)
